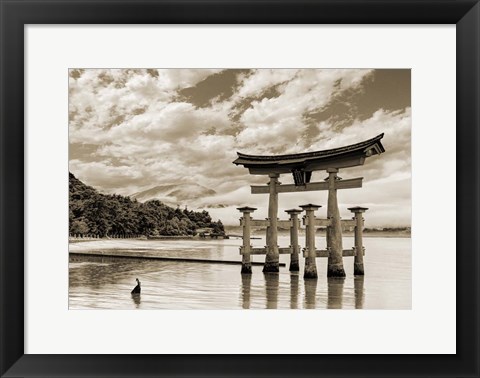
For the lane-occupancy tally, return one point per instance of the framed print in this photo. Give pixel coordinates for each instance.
(150, 128)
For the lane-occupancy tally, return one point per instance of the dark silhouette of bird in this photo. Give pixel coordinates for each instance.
(136, 289)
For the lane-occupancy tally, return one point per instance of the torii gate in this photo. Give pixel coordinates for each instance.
(301, 166)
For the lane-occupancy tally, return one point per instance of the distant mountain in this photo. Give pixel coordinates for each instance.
(174, 193)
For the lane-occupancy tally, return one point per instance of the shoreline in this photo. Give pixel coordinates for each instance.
(368, 234)
(254, 235)
(236, 233)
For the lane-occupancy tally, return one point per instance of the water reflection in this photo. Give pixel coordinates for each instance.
(136, 299)
(358, 291)
(335, 292)
(310, 292)
(294, 287)
(246, 287)
(95, 272)
(106, 282)
(271, 288)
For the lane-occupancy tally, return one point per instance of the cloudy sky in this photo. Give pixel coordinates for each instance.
(133, 129)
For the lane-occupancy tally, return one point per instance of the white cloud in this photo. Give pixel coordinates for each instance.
(279, 120)
(183, 78)
(100, 174)
(260, 80)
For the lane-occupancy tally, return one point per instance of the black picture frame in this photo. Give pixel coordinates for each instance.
(15, 14)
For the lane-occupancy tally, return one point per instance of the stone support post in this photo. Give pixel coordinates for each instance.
(272, 256)
(310, 252)
(294, 266)
(334, 231)
(358, 268)
(246, 262)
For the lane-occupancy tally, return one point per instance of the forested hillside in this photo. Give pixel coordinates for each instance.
(94, 213)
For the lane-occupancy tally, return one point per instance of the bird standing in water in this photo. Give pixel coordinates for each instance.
(136, 289)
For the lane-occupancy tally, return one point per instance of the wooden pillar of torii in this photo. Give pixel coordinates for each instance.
(301, 166)
(272, 256)
(294, 226)
(334, 231)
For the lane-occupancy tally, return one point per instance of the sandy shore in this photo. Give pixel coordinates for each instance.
(133, 244)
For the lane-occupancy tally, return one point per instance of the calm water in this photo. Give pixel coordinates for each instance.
(105, 283)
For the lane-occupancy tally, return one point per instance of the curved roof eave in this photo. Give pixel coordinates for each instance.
(361, 147)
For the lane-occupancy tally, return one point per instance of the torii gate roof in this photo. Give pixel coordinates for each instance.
(347, 156)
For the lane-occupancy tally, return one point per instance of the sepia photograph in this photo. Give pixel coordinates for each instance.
(214, 173)
(225, 189)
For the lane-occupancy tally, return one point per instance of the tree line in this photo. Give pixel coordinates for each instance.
(94, 213)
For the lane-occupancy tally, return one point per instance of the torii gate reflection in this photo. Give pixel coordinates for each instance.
(301, 166)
